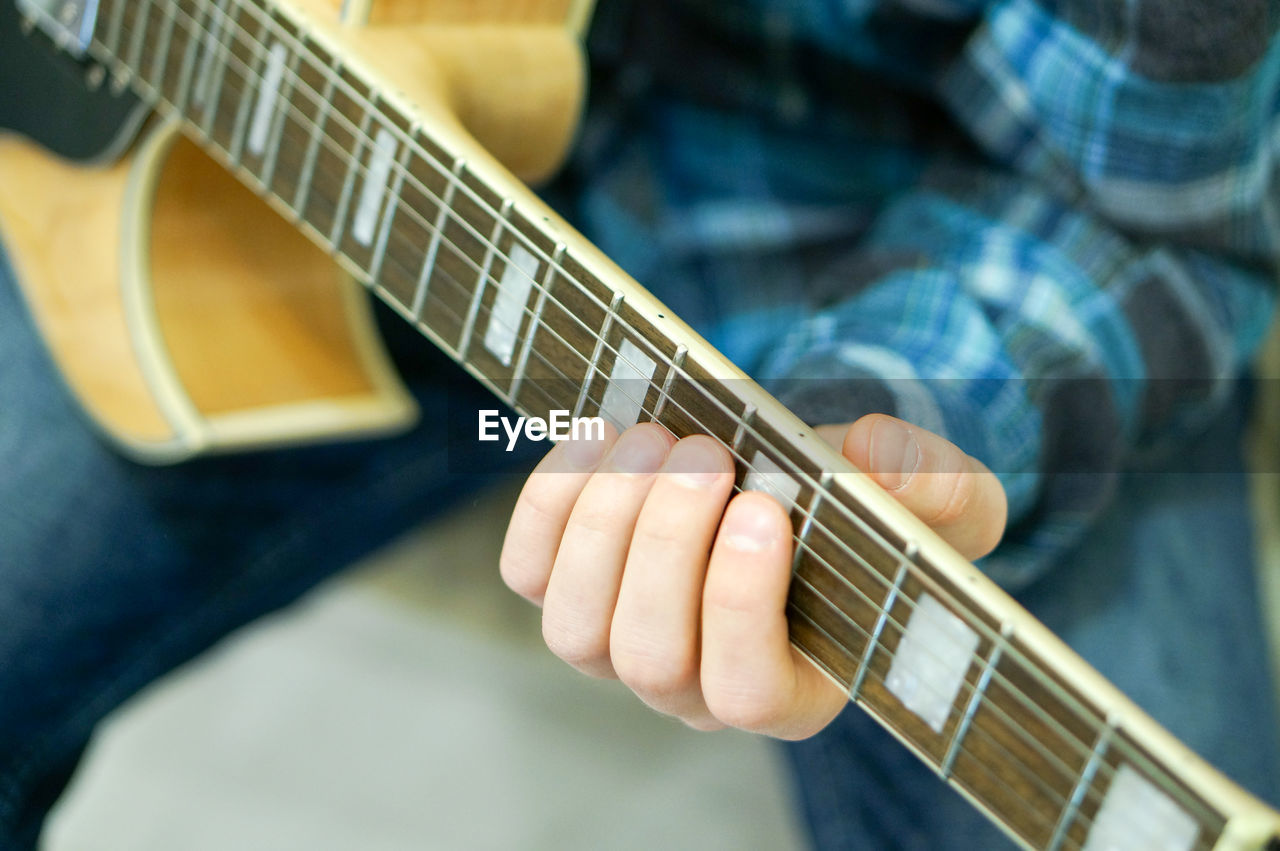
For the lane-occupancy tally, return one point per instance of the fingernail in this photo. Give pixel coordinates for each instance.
(640, 451)
(584, 453)
(696, 464)
(749, 529)
(895, 454)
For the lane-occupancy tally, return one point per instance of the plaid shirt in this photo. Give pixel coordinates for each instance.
(1047, 230)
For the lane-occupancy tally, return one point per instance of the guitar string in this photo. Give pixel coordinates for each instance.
(428, 192)
(462, 255)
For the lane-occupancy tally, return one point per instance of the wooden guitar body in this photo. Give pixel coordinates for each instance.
(187, 317)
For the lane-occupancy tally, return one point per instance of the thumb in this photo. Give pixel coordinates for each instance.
(954, 494)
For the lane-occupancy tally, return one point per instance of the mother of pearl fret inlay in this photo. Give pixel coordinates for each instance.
(931, 660)
(767, 477)
(1135, 814)
(381, 158)
(629, 382)
(508, 307)
(267, 97)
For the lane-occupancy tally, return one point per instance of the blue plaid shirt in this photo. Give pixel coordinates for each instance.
(1047, 230)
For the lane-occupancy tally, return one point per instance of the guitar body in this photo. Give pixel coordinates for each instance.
(185, 315)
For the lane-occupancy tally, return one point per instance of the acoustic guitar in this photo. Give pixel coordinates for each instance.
(392, 137)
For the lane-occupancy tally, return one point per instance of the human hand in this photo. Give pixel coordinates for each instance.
(645, 575)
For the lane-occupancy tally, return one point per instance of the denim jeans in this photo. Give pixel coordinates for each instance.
(112, 574)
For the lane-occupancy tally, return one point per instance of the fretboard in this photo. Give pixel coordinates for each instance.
(927, 647)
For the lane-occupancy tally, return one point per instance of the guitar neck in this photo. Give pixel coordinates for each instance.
(965, 678)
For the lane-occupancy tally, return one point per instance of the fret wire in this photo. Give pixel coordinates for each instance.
(962, 729)
(676, 365)
(257, 60)
(806, 528)
(303, 191)
(593, 367)
(482, 282)
(1054, 687)
(883, 614)
(278, 119)
(388, 216)
(534, 321)
(748, 417)
(186, 76)
(348, 186)
(1083, 785)
(138, 35)
(441, 222)
(160, 62)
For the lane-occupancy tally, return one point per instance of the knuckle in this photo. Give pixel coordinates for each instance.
(656, 538)
(735, 598)
(596, 521)
(656, 678)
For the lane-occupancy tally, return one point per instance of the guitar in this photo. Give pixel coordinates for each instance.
(393, 135)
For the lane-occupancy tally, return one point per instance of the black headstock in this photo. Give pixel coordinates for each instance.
(60, 101)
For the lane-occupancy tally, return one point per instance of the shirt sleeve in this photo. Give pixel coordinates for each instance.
(1091, 291)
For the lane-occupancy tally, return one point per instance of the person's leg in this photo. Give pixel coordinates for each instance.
(113, 573)
(1162, 600)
